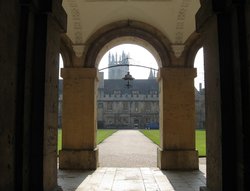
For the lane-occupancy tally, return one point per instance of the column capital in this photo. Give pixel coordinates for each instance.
(165, 73)
(79, 73)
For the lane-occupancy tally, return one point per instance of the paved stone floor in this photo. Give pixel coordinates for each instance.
(128, 174)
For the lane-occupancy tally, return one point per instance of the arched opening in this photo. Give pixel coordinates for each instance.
(128, 110)
(60, 103)
(199, 83)
(177, 136)
(200, 130)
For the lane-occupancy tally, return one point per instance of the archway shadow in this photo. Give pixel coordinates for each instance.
(70, 180)
(188, 180)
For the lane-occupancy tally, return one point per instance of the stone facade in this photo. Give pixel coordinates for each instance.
(120, 107)
(138, 107)
(200, 108)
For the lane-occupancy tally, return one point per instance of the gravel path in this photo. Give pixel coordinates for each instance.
(127, 148)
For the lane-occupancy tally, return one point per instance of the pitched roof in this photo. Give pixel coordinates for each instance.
(143, 86)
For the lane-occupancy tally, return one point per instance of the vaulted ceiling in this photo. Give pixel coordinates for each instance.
(174, 18)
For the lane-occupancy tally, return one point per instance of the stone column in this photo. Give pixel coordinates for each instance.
(224, 25)
(9, 37)
(177, 119)
(30, 43)
(79, 119)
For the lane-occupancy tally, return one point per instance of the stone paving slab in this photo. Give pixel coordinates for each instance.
(131, 179)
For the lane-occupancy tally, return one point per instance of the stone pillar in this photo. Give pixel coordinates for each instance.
(223, 25)
(79, 119)
(30, 43)
(213, 107)
(177, 119)
(9, 36)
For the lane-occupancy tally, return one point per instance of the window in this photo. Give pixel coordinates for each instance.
(109, 106)
(117, 93)
(135, 93)
(110, 120)
(136, 107)
(147, 106)
(125, 106)
(100, 105)
(125, 120)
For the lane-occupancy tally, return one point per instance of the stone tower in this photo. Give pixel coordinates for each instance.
(118, 72)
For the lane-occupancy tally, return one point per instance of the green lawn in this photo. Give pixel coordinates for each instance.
(101, 135)
(59, 141)
(200, 136)
(200, 142)
(153, 135)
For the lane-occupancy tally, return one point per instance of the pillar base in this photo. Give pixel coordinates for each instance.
(58, 188)
(78, 159)
(204, 189)
(177, 159)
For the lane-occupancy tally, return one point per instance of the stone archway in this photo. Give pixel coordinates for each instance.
(177, 111)
(139, 32)
(28, 147)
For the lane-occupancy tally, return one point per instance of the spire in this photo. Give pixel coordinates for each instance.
(120, 60)
(109, 63)
(151, 75)
(113, 59)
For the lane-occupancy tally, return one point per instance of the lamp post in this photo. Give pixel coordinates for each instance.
(128, 77)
